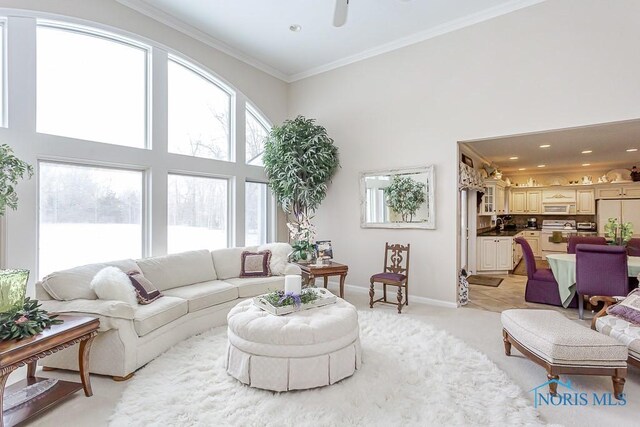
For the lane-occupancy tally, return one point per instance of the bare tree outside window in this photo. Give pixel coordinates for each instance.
(256, 133)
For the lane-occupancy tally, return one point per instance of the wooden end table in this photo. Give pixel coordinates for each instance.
(14, 354)
(310, 272)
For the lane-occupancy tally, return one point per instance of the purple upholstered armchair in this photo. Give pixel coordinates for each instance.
(541, 286)
(633, 247)
(600, 270)
(588, 240)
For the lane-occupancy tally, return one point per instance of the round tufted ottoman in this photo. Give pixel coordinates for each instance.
(305, 349)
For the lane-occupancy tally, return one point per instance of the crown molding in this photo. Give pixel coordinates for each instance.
(466, 21)
(421, 36)
(191, 31)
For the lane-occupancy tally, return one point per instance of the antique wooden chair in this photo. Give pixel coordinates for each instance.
(396, 273)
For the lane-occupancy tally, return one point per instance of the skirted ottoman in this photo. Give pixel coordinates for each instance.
(562, 346)
(300, 350)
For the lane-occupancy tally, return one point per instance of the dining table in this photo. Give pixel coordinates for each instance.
(563, 267)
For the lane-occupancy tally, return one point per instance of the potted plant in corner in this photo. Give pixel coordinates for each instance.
(299, 160)
(20, 317)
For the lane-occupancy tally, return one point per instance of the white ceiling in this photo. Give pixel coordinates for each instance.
(257, 31)
(608, 142)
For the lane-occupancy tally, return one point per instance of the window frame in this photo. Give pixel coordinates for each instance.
(99, 33)
(260, 118)
(145, 218)
(208, 76)
(271, 210)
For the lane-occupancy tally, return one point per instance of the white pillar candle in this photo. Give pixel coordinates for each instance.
(292, 283)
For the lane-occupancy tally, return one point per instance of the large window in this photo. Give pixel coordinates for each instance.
(256, 133)
(91, 87)
(2, 117)
(256, 213)
(88, 214)
(199, 115)
(197, 213)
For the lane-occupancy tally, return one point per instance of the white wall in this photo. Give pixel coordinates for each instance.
(266, 93)
(554, 65)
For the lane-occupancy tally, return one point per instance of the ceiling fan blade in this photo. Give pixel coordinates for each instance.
(340, 14)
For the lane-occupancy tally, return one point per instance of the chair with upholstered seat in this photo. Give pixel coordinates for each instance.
(600, 270)
(588, 240)
(395, 273)
(541, 287)
(633, 247)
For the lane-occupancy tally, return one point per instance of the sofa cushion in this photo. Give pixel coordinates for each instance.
(205, 294)
(75, 283)
(250, 287)
(255, 264)
(279, 256)
(146, 292)
(111, 283)
(622, 330)
(165, 310)
(558, 340)
(228, 261)
(628, 309)
(172, 271)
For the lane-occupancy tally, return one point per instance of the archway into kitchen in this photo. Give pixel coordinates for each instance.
(543, 187)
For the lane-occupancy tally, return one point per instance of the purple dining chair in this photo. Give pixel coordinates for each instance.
(588, 240)
(600, 270)
(541, 286)
(633, 247)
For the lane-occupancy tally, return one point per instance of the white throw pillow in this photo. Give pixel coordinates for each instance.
(279, 253)
(111, 283)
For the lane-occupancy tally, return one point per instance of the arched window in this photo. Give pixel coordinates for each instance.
(256, 133)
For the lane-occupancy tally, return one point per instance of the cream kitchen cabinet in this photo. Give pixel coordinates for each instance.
(525, 201)
(495, 253)
(533, 239)
(493, 201)
(585, 202)
(628, 191)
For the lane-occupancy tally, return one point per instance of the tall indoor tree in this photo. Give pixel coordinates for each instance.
(12, 169)
(300, 159)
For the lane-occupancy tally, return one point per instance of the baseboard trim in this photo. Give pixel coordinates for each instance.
(414, 298)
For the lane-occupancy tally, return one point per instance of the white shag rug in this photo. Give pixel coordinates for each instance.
(412, 374)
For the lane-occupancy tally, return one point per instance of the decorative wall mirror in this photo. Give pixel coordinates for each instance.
(398, 198)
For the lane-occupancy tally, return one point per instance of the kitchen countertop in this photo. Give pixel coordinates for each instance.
(504, 233)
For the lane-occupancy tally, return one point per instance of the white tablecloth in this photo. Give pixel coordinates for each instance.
(563, 267)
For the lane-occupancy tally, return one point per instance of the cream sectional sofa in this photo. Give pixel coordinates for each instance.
(199, 287)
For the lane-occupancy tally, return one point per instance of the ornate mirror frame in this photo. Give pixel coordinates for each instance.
(428, 224)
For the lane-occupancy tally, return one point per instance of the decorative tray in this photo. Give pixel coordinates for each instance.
(324, 298)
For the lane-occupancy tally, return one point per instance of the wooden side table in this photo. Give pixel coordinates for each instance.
(310, 272)
(14, 354)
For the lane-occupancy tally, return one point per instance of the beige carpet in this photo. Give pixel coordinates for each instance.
(521, 268)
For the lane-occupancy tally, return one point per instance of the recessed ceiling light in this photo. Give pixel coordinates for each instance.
(545, 146)
(295, 28)
(632, 149)
(513, 158)
(586, 164)
(542, 166)
(587, 152)
(522, 169)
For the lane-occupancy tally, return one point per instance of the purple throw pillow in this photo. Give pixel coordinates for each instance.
(628, 309)
(145, 290)
(255, 264)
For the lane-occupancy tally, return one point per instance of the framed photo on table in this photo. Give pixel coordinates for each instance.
(324, 250)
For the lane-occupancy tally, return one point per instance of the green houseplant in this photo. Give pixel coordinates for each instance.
(12, 169)
(404, 196)
(299, 160)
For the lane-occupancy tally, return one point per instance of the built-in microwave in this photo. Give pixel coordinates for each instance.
(558, 209)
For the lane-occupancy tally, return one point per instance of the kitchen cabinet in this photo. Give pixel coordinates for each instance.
(622, 210)
(495, 253)
(533, 238)
(628, 191)
(493, 201)
(525, 201)
(585, 202)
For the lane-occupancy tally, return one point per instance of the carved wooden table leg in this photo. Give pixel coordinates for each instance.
(371, 294)
(31, 369)
(507, 344)
(326, 281)
(342, 279)
(553, 386)
(4, 376)
(399, 299)
(83, 358)
(618, 386)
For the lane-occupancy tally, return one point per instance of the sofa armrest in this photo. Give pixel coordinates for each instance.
(608, 302)
(292, 269)
(106, 308)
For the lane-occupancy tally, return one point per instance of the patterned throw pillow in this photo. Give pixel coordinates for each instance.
(255, 264)
(145, 290)
(628, 309)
